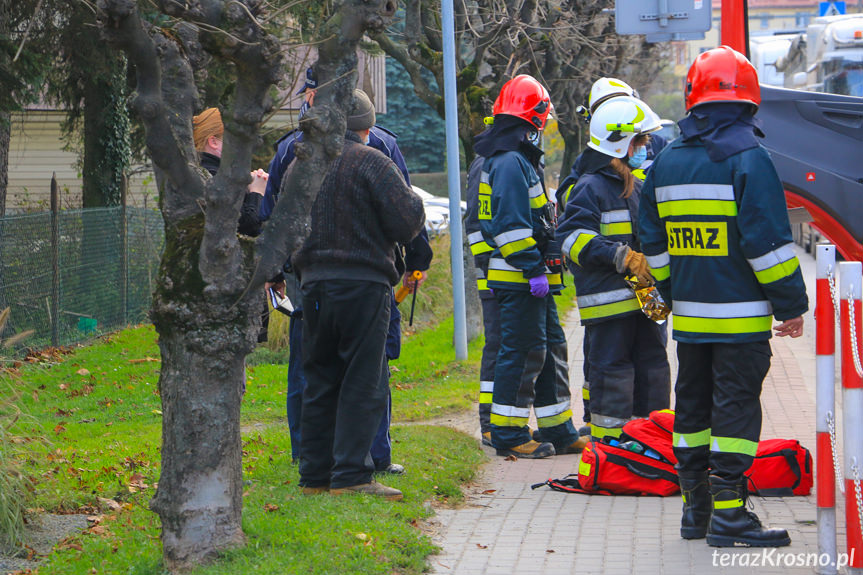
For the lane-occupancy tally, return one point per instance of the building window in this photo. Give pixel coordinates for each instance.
(801, 19)
(764, 19)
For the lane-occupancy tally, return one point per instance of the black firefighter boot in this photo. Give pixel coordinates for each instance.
(695, 489)
(732, 524)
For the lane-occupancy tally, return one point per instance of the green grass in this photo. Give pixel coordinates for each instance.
(93, 437)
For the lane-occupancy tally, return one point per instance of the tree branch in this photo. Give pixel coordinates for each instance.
(149, 52)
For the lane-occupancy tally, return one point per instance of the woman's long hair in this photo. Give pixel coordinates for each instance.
(622, 169)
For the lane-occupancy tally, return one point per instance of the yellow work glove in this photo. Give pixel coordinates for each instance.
(637, 264)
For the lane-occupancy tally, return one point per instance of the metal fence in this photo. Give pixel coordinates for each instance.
(72, 274)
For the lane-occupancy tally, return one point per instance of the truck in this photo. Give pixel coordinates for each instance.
(828, 57)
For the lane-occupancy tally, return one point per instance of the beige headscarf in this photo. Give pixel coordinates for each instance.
(207, 123)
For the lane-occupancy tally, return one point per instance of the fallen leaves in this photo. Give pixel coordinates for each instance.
(58, 429)
(270, 507)
(84, 372)
(144, 360)
(137, 483)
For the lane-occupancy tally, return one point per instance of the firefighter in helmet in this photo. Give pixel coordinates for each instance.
(715, 230)
(517, 221)
(600, 242)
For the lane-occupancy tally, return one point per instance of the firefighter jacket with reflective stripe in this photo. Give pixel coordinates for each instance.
(512, 213)
(478, 247)
(718, 241)
(596, 222)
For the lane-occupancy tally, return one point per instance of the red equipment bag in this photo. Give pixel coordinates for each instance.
(609, 470)
(654, 432)
(782, 468)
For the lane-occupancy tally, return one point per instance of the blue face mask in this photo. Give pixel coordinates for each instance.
(638, 157)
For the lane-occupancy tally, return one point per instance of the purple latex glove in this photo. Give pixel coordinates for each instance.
(538, 286)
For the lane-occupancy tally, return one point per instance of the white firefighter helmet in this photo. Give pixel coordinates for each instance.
(606, 88)
(616, 122)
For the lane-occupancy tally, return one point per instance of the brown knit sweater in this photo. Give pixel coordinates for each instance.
(363, 209)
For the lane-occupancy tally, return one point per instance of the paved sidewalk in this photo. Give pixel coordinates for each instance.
(506, 528)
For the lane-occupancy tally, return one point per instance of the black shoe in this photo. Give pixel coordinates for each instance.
(695, 488)
(536, 435)
(486, 438)
(584, 431)
(732, 524)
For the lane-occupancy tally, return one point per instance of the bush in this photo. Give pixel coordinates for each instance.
(14, 492)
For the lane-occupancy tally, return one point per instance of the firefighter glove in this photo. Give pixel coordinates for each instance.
(538, 286)
(637, 264)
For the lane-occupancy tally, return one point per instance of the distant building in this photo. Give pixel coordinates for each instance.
(37, 150)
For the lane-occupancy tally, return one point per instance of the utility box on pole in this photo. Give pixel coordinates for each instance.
(663, 20)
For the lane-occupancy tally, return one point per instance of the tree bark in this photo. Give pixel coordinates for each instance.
(5, 142)
(473, 307)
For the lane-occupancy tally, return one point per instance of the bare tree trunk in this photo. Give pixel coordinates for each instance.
(473, 307)
(203, 349)
(5, 142)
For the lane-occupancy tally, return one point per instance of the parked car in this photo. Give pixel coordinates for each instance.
(437, 211)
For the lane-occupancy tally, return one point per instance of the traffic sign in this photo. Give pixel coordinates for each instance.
(831, 8)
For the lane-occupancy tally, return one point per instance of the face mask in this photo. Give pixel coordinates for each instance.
(638, 157)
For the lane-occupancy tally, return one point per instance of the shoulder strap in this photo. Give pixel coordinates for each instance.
(570, 484)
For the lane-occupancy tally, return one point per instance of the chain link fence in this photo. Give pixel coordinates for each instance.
(70, 275)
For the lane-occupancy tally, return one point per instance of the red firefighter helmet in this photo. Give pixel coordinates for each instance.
(721, 75)
(525, 98)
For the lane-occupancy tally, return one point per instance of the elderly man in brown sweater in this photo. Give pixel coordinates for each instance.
(347, 267)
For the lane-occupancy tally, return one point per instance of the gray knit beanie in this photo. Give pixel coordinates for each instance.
(362, 115)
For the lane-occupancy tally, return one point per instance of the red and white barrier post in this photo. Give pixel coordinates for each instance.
(825, 400)
(850, 279)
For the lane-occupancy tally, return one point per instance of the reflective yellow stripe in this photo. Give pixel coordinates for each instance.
(579, 244)
(566, 195)
(616, 229)
(585, 393)
(518, 277)
(662, 273)
(485, 397)
(480, 248)
(538, 201)
(554, 279)
(553, 420)
(609, 309)
(721, 325)
(506, 276)
(639, 173)
(600, 432)
(516, 246)
(697, 439)
(733, 445)
(777, 272)
(507, 420)
(482, 285)
(696, 208)
(583, 467)
(730, 504)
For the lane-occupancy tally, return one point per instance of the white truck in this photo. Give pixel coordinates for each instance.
(828, 57)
